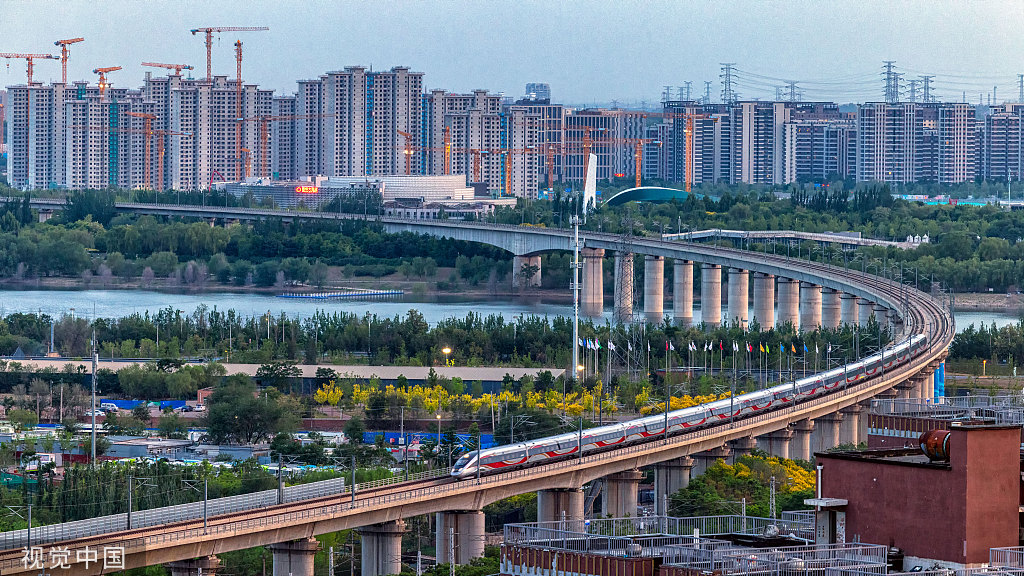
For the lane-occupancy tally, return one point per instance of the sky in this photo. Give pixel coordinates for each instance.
(593, 52)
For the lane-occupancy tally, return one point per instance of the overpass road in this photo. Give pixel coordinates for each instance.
(378, 510)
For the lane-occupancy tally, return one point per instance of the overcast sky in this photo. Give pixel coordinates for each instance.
(589, 52)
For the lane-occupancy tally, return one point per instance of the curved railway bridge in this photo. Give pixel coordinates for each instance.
(808, 293)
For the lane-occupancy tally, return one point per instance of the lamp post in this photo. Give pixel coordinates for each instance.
(446, 350)
(438, 454)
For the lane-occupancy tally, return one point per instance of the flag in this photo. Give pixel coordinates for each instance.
(782, 348)
(815, 348)
(805, 348)
(611, 345)
(721, 345)
(648, 345)
(671, 347)
(629, 346)
(792, 347)
(693, 346)
(760, 346)
(581, 341)
(750, 347)
(735, 347)
(598, 343)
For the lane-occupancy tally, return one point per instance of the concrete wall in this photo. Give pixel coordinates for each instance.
(930, 510)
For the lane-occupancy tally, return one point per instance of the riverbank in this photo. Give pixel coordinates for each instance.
(426, 288)
(990, 302)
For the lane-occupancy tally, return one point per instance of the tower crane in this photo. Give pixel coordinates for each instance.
(103, 77)
(209, 41)
(238, 106)
(264, 121)
(29, 58)
(176, 67)
(64, 56)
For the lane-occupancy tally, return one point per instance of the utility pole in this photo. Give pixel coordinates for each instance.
(728, 96)
(575, 287)
(95, 362)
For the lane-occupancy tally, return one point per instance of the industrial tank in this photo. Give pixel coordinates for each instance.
(935, 445)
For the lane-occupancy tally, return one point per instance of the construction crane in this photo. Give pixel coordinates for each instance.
(64, 56)
(29, 58)
(176, 67)
(209, 41)
(103, 77)
(264, 121)
(238, 103)
(148, 132)
(148, 129)
(638, 154)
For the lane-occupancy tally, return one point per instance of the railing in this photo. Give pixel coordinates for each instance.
(604, 532)
(812, 558)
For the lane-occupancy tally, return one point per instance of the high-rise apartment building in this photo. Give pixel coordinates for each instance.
(490, 142)
(208, 113)
(538, 91)
(1001, 143)
(612, 136)
(282, 138)
(816, 150)
(888, 135)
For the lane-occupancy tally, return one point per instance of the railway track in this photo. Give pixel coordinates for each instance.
(923, 314)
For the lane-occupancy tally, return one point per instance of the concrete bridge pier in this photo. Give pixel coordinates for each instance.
(682, 292)
(623, 286)
(864, 311)
(905, 389)
(831, 308)
(711, 294)
(789, 302)
(295, 558)
(670, 477)
(849, 308)
(742, 447)
(739, 302)
(802, 430)
(810, 306)
(518, 262)
(850, 430)
(560, 504)
(707, 458)
(764, 300)
(654, 288)
(381, 547)
(619, 498)
(205, 566)
(776, 443)
(593, 281)
(466, 527)
(881, 315)
(827, 431)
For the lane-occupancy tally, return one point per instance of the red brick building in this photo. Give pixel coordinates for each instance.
(951, 511)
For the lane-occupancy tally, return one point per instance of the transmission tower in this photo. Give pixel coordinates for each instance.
(892, 94)
(913, 91)
(687, 85)
(927, 84)
(666, 95)
(707, 92)
(778, 93)
(728, 95)
(792, 91)
(1020, 86)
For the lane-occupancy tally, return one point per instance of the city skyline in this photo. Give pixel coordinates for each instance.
(460, 47)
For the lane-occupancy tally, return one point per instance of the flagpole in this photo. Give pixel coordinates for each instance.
(668, 390)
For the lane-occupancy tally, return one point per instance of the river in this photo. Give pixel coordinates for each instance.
(116, 303)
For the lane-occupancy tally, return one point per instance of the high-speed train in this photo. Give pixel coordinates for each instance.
(650, 428)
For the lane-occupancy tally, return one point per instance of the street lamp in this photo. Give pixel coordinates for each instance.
(446, 350)
(438, 454)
